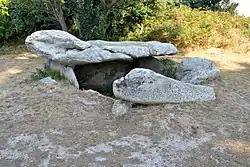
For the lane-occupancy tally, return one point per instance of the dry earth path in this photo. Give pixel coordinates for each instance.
(50, 126)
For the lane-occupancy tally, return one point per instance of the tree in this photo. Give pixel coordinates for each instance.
(56, 7)
(6, 29)
(32, 15)
(214, 5)
(111, 19)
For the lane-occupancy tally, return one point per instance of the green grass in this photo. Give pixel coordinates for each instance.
(43, 73)
(12, 49)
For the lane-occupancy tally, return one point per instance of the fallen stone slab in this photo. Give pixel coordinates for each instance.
(197, 70)
(145, 86)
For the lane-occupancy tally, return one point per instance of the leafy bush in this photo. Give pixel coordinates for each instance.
(214, 5)
(193, 28)
(110, 20)
(28, 16)
(6, 29)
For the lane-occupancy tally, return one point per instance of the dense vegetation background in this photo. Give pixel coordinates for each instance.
(186, 23)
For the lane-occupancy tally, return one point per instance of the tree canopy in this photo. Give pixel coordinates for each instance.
(92, 19)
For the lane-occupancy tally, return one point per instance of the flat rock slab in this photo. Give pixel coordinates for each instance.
(137, 49)
(197, 70)
(145, 86)
(66, 49)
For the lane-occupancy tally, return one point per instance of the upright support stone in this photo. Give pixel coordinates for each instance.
(67, 72)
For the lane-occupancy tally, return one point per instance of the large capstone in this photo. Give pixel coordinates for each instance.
(145, 86)
(137, 49)
(64, 48)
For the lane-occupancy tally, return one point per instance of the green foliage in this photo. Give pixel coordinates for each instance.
(19, 18)
(39, 74)
(42, 73)
(110, 20)
(188, 27)
(28, 16)
(6, 29)
(161, 20)
(131, 17)
(88, 20)
(214, 5)
(3, 7)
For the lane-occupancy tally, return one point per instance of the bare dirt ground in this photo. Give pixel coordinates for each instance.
(49, 126)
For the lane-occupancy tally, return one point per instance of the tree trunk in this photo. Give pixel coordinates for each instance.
(63, 24)
(56, 7)
(61, 19)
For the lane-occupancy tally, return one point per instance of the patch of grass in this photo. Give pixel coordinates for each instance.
(12, 49)
(43, 73)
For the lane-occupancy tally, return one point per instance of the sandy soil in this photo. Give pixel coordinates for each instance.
(58, 125)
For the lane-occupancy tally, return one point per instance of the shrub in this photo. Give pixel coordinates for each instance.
(215, 5)
(110, 20)
(188, 27)
(6, 29)
(42, 73)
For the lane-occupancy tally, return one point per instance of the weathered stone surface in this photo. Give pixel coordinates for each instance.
(90, 55)
(120, 108)
(100, 76)
(53, 44)
(47, 81)
(68, 72)
(197, 70)
(66, 49)
(137, 49)
(144, 86)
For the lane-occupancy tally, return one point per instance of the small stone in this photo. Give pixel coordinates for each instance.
(47, 81)
(120, 108)
(100, 159)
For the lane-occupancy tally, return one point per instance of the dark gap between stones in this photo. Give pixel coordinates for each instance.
(100, 76)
